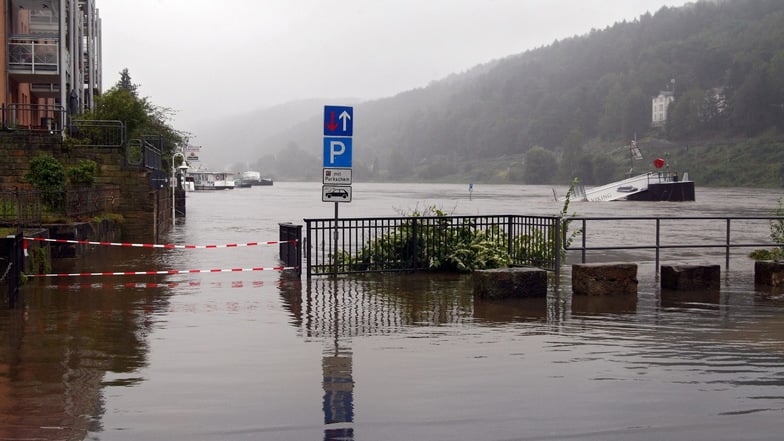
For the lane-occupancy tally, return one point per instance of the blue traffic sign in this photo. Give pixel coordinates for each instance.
(338, 121)
(337, 152)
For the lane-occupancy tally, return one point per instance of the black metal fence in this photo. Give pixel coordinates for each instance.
(47, 118)
(354, 245)
(20, 208)
(33, 207)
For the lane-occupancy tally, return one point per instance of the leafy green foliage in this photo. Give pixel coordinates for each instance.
(437, 246)
(432, 240)
(47, 175)
(82, 174)
(776, 235)
(140, 116)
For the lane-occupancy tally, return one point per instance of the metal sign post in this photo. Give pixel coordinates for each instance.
(337, 148)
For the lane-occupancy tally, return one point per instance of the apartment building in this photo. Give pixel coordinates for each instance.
(51, 62)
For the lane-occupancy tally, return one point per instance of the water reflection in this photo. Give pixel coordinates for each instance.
(68, 343)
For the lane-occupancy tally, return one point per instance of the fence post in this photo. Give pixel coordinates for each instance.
(291, 253)
(12, 273)
(510, 233)
(415, 247)
(557, 245)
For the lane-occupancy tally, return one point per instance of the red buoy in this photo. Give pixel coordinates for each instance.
(658, 162)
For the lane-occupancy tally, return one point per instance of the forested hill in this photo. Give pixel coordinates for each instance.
(566, 109)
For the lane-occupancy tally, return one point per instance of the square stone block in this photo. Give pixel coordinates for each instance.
(690, 277)
(601, 279)
(769, 273)
(518, 282)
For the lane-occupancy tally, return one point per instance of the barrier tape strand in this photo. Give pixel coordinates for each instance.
(164, 272)
(166, 246)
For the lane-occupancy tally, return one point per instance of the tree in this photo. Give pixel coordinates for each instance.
(125, 83)
(140, 116)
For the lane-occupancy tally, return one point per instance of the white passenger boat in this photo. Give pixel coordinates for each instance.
(211, 180)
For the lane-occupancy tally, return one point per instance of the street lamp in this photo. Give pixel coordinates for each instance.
(174, 182)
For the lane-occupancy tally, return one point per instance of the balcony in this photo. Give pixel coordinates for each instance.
(33, 60)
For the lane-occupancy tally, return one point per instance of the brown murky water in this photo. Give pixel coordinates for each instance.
(261, 355)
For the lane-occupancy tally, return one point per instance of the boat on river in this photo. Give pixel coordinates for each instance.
(254, 178)
(659, 185)
(210, 180)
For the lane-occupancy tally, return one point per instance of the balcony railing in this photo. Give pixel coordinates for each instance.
(29, 55)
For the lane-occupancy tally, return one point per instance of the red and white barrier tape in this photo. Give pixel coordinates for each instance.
(155, 245)
(163, 272)
(101, 285)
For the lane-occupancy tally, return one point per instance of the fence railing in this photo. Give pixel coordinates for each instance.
(33, 117)
(98, 133)
(33, 207)
(354, 245)
(684, 238)
(20, 208)
(358, 245)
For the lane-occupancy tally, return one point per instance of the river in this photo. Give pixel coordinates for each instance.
(264, 355)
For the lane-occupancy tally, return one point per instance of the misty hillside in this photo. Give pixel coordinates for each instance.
(234, 140)
(566, 109)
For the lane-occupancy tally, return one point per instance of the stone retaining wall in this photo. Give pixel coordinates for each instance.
(146, 210)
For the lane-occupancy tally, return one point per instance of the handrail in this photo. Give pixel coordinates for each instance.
(724, 226)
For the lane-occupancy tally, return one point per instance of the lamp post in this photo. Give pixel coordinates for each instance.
(174, 183)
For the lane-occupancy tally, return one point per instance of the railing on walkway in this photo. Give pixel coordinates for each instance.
(98, 133)
(358, 245)
(685, 237)
(33, 207)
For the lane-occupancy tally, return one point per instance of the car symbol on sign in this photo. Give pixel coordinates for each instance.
(338, 193)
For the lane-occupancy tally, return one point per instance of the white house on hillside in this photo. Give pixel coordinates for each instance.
(659, 108)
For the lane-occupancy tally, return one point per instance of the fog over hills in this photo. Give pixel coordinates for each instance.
(561, 111)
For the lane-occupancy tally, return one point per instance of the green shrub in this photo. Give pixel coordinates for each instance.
(83, 173)
(47, 175)
(776, 235)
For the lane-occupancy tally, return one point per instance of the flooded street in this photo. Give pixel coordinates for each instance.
(264, 355)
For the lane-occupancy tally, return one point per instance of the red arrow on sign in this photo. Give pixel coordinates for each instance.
(332, 125)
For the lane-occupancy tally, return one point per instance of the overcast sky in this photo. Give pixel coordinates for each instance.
(204, 58)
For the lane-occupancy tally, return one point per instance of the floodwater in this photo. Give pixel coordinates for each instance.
(262, 355)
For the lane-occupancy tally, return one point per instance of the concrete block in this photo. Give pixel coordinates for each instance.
(769, 273)
(601, 279)
(690, 277)
(501, 283)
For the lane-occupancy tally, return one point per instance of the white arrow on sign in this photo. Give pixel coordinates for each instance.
(344, 117)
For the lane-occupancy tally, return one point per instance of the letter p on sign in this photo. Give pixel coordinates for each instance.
(337, 152)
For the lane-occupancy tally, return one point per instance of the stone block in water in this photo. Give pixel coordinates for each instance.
(602, 279)
(769, 273)
(501, 283)
(690, 277)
